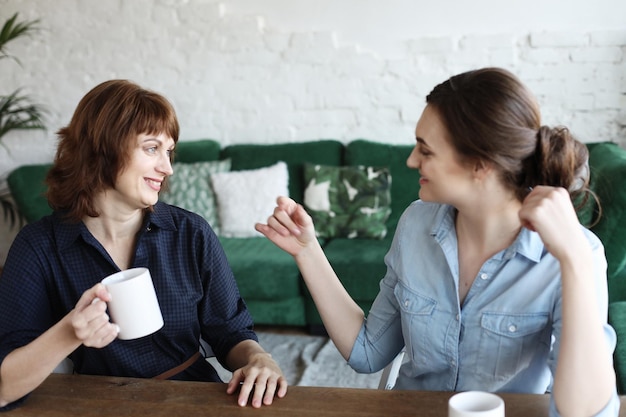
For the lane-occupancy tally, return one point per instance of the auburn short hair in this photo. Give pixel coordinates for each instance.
(95, 147)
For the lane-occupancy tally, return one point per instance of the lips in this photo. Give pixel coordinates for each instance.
(154, 184)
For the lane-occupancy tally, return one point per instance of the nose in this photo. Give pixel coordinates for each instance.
(165, 165)
(413, 161)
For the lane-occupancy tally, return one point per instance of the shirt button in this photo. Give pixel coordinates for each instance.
(484, 276)
(457, 317)
(512, 328)
(406, 303)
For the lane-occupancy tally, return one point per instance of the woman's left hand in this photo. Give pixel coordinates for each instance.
(260, 379)
(549, 212)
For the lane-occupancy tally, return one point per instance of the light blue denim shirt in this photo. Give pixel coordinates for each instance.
(504, 338)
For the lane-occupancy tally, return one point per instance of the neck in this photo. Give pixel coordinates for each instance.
(114, 223)
(489, 224)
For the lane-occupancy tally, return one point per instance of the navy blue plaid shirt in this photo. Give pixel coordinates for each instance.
(52, 262)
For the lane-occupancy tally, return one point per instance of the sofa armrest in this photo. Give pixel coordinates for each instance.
(607, 163)
(28, 188)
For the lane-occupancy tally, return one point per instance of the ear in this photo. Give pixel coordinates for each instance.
(481, 169)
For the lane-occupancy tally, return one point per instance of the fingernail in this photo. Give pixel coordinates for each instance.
(95, 300)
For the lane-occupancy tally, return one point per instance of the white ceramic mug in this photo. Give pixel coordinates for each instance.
(134, 306)
(475, 404)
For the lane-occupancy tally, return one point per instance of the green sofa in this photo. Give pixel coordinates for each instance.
(268, 278)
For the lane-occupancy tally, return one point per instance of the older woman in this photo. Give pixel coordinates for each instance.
(112, 160)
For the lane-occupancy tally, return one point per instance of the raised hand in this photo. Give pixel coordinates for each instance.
(549, 212)
(289, 227)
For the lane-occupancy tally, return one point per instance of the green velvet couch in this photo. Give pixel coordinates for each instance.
(268, 278)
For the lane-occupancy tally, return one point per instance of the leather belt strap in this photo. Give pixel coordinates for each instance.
(178, 369)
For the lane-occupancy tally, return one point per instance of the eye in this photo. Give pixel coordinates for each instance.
(151, 150)
(423, 151)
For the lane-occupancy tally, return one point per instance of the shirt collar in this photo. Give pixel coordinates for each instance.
(161, 217)
(527, 243)
(68, 231)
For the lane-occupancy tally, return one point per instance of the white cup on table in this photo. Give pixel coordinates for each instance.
(134, 306)
(475, 404)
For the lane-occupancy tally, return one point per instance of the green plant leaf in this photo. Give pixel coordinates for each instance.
(17, 112)
(12, 30)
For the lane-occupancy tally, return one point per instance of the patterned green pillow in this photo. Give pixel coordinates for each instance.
(348, 201)
(190, 188)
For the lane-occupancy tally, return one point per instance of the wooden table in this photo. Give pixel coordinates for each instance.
(87, 396)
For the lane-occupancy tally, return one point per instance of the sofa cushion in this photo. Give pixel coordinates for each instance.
(608, 169)
(190, 188)
(348, 201)
(359, 264)
(287, 312)
(405, 184)
(250, 156)
(248, 197)
(262, 270)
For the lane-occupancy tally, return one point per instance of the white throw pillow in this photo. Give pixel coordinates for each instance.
(248, 197)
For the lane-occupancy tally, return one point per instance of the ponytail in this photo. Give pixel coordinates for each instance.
(559, 160)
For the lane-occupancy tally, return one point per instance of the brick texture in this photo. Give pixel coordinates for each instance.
(237, 78)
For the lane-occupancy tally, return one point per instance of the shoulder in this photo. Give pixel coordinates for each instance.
(35, 243)
(597, 247)
(39, 232)
(424, 215)
(167, 215)
(592, 238)
(186, 223)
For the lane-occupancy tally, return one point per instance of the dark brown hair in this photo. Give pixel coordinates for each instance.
(95, 147)
(491, 116)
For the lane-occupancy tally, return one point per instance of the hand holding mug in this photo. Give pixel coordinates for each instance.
(90, 320)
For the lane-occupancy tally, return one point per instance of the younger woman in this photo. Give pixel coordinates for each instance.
(492, 284)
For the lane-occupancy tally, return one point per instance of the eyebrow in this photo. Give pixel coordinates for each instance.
(150, 138)
(421, 141)
(157, 140)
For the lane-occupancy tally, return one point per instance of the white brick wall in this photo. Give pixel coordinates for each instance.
(238, 78)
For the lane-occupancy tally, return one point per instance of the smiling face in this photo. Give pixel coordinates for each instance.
(443, 177)
(139, 183)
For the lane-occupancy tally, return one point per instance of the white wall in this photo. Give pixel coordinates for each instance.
(293, 70)
(381, 26)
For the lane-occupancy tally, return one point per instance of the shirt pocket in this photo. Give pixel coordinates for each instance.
(418, 324)
(510, 342)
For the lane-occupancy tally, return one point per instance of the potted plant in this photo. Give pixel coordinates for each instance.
(17, 112)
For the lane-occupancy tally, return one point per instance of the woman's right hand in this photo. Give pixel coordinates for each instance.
(290, 227)
(89, 318)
